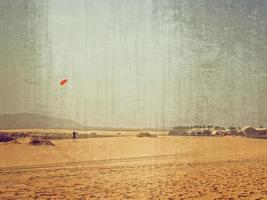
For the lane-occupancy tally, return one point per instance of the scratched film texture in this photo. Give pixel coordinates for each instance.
(136, 63)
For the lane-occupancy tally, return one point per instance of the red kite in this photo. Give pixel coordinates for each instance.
(63, 82)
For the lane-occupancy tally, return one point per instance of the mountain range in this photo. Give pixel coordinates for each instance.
(34, 120)
(40, 121)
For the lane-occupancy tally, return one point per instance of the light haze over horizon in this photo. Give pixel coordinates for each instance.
(136, 63)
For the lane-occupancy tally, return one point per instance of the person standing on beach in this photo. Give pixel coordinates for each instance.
(74, 136)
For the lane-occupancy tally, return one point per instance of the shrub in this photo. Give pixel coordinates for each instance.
(145, 134)
(37, 141)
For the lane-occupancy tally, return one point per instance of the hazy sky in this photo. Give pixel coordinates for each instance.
(136, 63)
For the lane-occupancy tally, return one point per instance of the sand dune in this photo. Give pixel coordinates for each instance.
(136, 168)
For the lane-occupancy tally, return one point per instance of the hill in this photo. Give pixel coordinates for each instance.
(33, 120)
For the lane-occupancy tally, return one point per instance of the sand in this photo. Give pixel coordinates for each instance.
(136, 168)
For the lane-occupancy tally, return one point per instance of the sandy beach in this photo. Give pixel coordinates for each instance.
(137, 99)
(136, 168)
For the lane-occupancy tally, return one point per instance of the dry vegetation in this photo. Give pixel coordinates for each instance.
(146, 134)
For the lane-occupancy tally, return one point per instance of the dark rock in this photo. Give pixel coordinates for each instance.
(4, 137)
(250, 131)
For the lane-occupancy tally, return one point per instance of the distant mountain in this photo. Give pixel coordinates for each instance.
(39, 121)
(33, 120)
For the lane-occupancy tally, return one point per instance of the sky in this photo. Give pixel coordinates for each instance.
(135, 63)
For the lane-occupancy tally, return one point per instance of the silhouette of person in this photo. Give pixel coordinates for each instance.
(74, 135)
